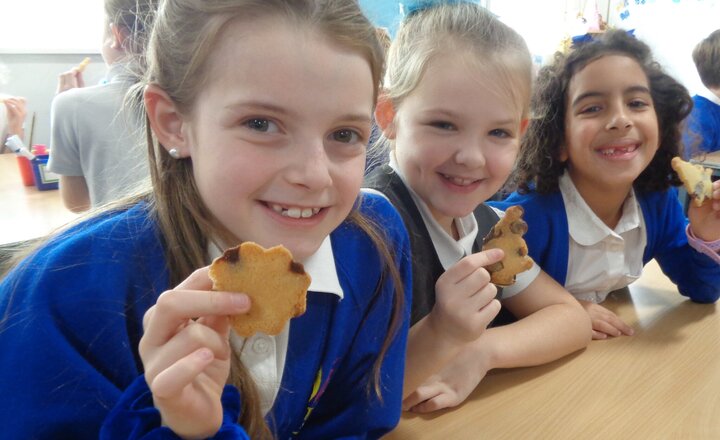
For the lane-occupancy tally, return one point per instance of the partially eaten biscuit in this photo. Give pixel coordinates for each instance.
(695, 178)
(507, 235)
(83, 64)
(277, 286)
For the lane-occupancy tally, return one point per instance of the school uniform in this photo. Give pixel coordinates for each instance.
(434, 250)
(68, 345)
(579, 251)
(94, 134)
(703, 127)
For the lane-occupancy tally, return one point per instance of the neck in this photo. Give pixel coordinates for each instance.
(715, 91)
(605, 202)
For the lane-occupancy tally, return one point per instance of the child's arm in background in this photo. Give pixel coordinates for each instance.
(464, 307)
(551, 324)
(74, 192)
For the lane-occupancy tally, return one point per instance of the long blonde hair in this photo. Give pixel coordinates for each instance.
(184, 35)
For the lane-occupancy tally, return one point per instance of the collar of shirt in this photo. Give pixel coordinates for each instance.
(449, 250)
(709, 95)
(121, 72)
(584, 225)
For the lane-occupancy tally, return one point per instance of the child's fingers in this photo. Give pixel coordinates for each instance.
(171, 381)
(175, 307)
(426, 391)
(596, 335)
(442, 400)
(191, 338)
(469, 265)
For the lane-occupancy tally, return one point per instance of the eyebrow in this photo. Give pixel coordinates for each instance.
(260, 105)
(592, 94)
(453, 115)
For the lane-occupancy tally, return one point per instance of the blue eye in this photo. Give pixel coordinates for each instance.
(443, 125)
(346, 136)
(498, 132)
(261, 124)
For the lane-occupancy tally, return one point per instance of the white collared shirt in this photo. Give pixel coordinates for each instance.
(601, 260)
(264, 355)
(449, 250)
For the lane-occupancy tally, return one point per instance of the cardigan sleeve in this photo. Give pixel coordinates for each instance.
(135, 417)
(696, 275)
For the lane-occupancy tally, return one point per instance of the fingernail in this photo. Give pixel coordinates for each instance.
(204, 354)
(240, 301)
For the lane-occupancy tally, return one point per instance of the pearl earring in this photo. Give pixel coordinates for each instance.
(174, 153)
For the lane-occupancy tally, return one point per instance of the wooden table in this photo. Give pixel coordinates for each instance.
(661, 383)
(26, 212)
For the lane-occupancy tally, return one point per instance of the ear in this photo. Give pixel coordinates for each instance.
(385, 116)
(119, 34)
(523, 126)
(563, 154)
(165, 119)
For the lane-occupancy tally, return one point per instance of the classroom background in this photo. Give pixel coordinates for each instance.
(40, 39)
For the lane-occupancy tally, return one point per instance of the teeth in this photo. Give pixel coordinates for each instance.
(615, 150)
(458, 181)
(294, 212)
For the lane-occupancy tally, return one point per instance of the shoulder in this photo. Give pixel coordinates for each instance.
(84, 97)
(115, 242)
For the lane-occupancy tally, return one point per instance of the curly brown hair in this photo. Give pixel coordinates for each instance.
(539, 166)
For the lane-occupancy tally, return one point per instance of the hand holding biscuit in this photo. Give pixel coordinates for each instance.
(705, 219)
(185, 352)
(704, 210)
(73, 78)
(465, 298)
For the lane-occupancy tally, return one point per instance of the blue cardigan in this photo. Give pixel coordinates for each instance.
(703, 126)
(695, 274)
(72, 320)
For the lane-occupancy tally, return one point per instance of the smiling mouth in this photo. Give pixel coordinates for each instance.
(614, 151)
(294, 211)
(459, 181)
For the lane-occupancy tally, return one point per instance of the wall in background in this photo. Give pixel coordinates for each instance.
(30, 69)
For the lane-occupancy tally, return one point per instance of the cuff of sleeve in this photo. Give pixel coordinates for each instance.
(709, 248)
(135, 416)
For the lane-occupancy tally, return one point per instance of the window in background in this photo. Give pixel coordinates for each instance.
(50, 26)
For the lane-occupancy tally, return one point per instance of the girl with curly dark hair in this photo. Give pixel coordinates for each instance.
(595, 180)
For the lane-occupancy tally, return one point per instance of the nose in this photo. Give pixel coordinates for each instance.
(470, 153)
(311, 166)
(619, 119)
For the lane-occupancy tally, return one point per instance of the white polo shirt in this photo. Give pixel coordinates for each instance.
(264, 355)
(450, 251)
(601, 259)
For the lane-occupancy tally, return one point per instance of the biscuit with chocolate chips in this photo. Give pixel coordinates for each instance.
(277, 286)
(507, 235)
(695, 178)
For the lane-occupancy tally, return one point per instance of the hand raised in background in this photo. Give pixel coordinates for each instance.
(16, 113)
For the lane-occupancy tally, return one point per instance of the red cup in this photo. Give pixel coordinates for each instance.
(26, 171)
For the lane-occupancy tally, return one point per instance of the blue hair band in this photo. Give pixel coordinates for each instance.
(415, 6)
(580, 40)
